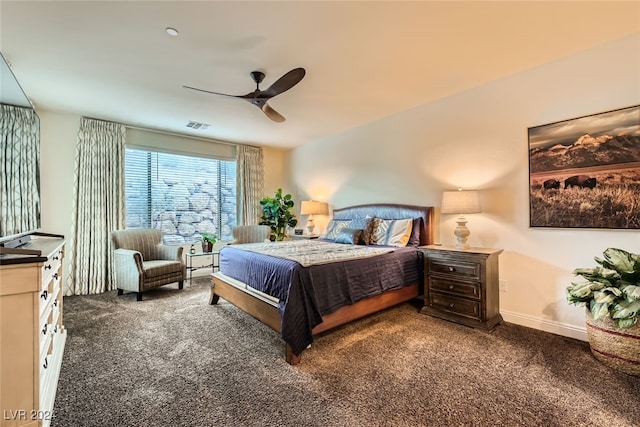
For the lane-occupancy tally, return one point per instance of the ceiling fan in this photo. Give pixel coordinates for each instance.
(259, 97)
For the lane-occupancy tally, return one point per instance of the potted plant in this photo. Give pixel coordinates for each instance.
(276, 213)
(611, 293)
(208, 240)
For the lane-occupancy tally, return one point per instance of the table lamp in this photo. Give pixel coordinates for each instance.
(311, 208)
(461, 202)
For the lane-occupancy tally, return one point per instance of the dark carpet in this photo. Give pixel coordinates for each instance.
(175, 360)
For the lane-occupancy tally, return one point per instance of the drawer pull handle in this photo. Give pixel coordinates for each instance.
(55, 276)
(45, 365)
(47, 267)
(451, 269)
(451, 286)
(44, 330)
(55, 329)
(44, 295)
(56, 258)
(55, 303)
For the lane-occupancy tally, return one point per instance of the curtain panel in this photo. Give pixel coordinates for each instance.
(20, 167)
(250, 180)
(98, 207)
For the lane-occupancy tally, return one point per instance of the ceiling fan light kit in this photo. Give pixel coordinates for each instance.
(259, 97)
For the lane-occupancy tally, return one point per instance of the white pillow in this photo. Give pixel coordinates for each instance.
(392, 232)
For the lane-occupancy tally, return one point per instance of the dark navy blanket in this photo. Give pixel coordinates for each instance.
(308, 293)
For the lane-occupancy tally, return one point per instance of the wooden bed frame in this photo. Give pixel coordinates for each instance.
(267, 312)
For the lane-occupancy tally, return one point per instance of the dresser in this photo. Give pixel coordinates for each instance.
(32, 334)
(462, 285)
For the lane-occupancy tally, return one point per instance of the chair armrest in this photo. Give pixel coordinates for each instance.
(127, 265)
(170, 252)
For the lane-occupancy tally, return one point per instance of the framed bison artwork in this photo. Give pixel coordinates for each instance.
(585, 172)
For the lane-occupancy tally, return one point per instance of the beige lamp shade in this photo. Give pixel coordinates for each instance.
(461, 202)
(312, 207)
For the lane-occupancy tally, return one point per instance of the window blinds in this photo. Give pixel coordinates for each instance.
(181, 195)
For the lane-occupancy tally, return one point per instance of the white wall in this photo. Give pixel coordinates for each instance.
(59, 134)
(478, 140)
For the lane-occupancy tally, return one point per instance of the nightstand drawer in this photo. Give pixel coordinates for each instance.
(468, 270)
(463, 289)
(455, 305)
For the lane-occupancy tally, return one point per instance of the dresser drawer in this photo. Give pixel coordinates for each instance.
(464, 289)
(455, 268)
(51, 270)
(451, 304)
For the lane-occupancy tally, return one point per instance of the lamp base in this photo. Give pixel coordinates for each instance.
(462, 233)
(310, 225)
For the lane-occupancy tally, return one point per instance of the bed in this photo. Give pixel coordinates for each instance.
(300, 299)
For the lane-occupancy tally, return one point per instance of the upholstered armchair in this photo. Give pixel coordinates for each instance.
(250, 234)
(142, 262)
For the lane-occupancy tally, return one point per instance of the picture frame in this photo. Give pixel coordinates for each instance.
(585, 172)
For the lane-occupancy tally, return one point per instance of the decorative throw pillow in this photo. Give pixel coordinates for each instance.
(414, 240)
(350, 236)
(364, 224)
(392, 232)
(334, 227)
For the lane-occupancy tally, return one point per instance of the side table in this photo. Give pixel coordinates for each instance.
(462, 285)
(215, 262)
(302, 237)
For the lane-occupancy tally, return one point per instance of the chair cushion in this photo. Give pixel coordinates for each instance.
(161, 268)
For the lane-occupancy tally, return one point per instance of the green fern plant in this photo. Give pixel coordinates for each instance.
(612, 289)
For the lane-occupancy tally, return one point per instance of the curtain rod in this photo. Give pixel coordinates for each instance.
(190, 136)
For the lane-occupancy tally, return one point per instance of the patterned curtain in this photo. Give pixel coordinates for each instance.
(250, 178)
(20, 167)
(98, 206)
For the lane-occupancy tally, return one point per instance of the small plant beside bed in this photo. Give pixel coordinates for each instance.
(276, 213)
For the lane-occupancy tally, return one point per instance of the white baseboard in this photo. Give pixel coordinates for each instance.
(557, 328)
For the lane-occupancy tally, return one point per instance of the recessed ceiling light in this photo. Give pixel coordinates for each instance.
(171, 31)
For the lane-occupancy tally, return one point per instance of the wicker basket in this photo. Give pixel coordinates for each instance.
(618, 348)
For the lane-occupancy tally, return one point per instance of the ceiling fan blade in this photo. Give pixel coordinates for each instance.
(215, 93)
(272, 114)
(284, 83)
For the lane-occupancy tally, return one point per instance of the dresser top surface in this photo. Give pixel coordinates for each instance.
(45, 245)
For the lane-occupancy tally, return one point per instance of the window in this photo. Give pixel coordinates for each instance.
(181, 195)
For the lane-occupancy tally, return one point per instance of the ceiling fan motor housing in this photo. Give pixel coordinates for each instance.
(257, 76)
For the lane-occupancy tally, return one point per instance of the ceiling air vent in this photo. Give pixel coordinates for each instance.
(197, 125)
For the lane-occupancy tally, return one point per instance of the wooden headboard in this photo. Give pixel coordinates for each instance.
(393, 211)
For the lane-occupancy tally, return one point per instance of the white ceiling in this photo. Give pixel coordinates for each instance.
(364, 60)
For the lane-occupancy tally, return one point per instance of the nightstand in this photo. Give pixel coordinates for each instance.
(462, 285)
(302, 237)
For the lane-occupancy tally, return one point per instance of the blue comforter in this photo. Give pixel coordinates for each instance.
(306, 294)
